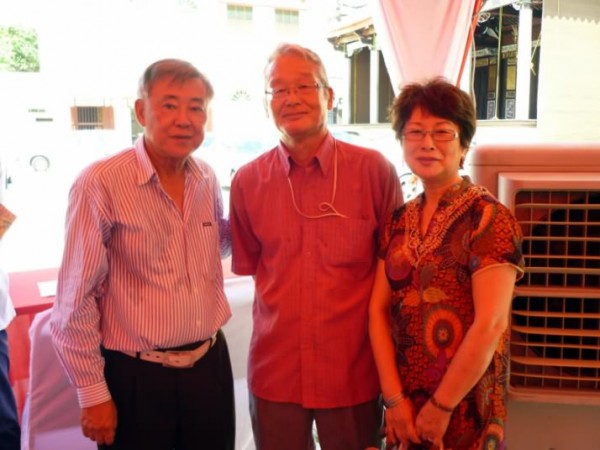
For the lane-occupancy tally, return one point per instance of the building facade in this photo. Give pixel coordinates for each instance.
(530, 71)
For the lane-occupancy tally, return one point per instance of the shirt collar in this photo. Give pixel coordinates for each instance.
(323, 157)
(456, 190)
(451, 193)
(147, 172)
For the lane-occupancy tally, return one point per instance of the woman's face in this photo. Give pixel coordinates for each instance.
(433, 156)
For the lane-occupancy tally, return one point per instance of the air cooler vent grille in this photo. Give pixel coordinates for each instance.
(555, 321)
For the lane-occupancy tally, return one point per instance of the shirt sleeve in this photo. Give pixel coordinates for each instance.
(245, 245)
(224, 224)
(75, 323)
(392, 200)
(393, 197)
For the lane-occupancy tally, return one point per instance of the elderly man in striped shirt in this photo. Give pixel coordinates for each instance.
(140, 299)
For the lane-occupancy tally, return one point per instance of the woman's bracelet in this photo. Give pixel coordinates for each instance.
(439, 406)
(392, 401)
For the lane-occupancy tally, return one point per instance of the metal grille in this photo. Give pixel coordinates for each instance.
(555, 324)
(92, 117)
(89, 118)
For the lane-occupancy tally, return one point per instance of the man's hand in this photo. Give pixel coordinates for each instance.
(99, 422)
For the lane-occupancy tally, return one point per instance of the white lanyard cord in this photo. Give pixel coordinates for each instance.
(327, 207)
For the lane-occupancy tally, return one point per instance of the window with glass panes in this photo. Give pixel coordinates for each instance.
(239, 12)
(287, 16)
(92, 117)
(496, 61)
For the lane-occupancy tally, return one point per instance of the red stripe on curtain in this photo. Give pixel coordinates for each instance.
(476, 10)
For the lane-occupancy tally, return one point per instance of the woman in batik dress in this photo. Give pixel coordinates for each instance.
(440, 306)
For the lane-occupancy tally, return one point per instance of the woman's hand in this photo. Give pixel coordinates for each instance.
(431, 424)
(400, 424)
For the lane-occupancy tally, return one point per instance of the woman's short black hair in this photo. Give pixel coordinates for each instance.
(439, 98)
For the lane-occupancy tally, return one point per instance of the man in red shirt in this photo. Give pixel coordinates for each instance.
(305, 218)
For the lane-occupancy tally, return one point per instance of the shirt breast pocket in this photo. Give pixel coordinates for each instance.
(208, 243)
(348, 242)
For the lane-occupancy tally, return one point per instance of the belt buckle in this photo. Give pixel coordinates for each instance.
(178, 360)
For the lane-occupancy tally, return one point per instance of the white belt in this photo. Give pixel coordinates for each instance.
(179, 359)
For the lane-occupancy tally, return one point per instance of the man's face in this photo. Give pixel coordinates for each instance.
(298, 101)
(173, 116)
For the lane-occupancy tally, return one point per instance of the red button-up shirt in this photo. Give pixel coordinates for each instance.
(313, 275)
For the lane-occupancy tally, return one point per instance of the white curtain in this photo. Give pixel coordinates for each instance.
(421, 39)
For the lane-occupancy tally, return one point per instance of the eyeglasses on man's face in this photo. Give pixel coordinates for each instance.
(301, 90)
(441, 135)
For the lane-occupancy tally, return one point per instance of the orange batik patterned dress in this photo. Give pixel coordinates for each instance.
(432, 306)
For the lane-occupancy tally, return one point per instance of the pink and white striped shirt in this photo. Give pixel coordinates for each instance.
(137, 274)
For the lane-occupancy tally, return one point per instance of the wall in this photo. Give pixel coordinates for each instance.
(569, 92)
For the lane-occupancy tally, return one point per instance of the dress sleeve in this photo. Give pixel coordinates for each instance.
(496, 239)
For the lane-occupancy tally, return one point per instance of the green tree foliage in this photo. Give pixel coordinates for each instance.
(19, 50)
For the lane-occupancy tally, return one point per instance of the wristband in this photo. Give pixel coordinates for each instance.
(439, 406)
(394, 399)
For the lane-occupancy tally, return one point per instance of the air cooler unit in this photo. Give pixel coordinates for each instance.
(554, 192)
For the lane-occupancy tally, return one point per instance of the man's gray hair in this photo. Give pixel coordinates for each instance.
(295, 49)
(177, 69)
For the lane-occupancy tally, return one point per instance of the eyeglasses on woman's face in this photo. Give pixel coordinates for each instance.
(438, 135)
